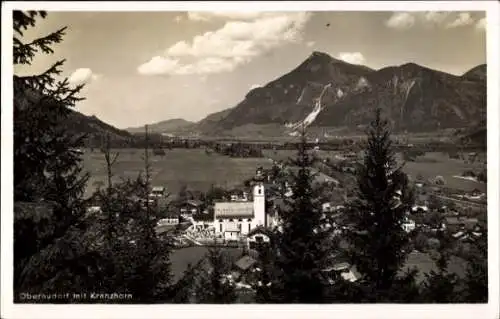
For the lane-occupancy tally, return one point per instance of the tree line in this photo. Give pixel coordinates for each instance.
(59, 245)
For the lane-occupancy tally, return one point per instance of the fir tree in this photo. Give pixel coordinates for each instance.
(378, 243)
(211, 286)
(48, 253)
(303, 246)
(148, 274)
(441, 286)
(475, 288)
(264, 279)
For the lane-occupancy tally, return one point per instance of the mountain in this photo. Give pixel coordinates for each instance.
(413, 97)
(325, 92)
(289, 98)
(209, 123)
(75, 122)
(168, 126)
(95, 129)
(477, 73)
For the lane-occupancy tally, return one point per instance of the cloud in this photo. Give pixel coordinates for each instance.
(401, 21)
(351, 57)
(158, 65)
(310, 43)
(83, 76)
(235, 43)
(481, 24)
(228, 15)
(463, 19)
(447, 20)
(436, 17)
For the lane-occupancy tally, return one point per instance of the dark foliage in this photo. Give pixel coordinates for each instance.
(378, 241)
(303, 246)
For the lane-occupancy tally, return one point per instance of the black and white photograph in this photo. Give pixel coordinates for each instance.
(249, 153)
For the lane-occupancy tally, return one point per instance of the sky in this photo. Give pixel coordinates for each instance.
(145, 67)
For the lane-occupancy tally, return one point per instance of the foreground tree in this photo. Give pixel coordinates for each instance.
(475, 289)
(211, 286)
(303, 246)
(378, 243)
(50, 253)
(441, 286)
(149, 275)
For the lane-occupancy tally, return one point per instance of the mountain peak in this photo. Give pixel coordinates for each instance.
(478, 72)
(320, 54)
(321, 57)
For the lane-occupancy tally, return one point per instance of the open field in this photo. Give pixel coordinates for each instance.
(435, 163)
(192, 167)
(429, 166)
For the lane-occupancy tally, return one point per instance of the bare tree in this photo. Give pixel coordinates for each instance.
(110, 160)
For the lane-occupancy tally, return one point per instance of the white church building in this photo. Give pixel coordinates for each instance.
(237, 218)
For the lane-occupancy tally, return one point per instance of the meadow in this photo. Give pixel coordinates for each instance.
(191, 167)
(433, 164)
(429, 166)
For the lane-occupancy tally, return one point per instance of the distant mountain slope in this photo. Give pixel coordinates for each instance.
(209, 124)
(94, 127)
(168, 126)
(477, 73)
(413, 97)
(73, 122)
(290, 97)
(326, 92)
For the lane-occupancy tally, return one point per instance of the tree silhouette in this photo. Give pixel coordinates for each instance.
(377, 240)
(50, 252)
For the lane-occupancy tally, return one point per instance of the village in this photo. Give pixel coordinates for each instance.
(244, 217)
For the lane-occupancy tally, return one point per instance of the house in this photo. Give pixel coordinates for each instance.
(408, 225)
(94, 210)
(243, 269)
(158, 192)
(171, 218)
(344, 269)
(191, 207)
(330, 207)
(238, 196)
(420, 209)
(258, 235)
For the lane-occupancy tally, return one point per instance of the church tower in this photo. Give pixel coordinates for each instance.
(259, 205)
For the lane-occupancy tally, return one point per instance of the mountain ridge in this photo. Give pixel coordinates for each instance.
(166, 126)
(412, 96)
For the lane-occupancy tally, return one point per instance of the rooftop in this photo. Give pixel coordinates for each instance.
(233, 209)
(260, 230)
(245, 262)
(194, 202)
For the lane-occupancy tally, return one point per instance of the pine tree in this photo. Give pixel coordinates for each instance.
(211, 286)
(148, 274)
(441, 286)
(476, 280)
(48, 252)
(264, 279)
(378, 243)
(303, 246)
